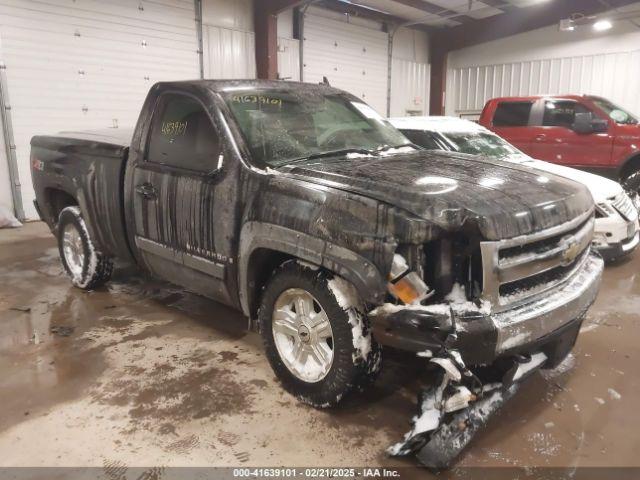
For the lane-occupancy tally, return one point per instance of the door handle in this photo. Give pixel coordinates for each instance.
(540, 137)
(147, 191)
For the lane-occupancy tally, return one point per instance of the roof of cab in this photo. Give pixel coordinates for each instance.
(569, 96)
(239, 85)
(437, 124)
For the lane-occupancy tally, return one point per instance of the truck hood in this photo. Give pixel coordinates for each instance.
(448, 189)
(601, 188)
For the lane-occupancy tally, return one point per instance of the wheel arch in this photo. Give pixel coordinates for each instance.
(265, 246)
(56, 199)
(630, 165)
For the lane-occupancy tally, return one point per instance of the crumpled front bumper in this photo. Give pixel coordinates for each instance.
(544, 323)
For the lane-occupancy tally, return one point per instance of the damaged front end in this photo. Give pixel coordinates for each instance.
(511, 305)
(459, 404)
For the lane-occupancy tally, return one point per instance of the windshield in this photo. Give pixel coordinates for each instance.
(479, 143)
(616, 113)
(280, 127)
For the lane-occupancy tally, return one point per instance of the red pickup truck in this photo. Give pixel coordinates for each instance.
(582, 131)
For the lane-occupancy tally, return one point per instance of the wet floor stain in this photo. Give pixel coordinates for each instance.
(155, 375)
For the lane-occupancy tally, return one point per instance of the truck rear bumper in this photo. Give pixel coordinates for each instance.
(552, 321)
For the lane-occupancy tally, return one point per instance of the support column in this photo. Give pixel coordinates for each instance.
(438, 60)
(266, 31)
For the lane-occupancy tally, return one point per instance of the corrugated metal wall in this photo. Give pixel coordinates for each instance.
(608, 74)
(229, 53)
(88, 64)
(353, 57)
(409, 88)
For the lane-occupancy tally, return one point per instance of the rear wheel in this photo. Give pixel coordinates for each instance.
(86, 267)
(316, 338)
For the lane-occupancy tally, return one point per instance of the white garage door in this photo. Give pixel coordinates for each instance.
(89, 64)
(353, 57)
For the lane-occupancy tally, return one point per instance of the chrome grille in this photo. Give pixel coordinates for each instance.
(623, 204)
(517, 269)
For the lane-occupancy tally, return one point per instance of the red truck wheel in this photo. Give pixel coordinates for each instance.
(86, 267)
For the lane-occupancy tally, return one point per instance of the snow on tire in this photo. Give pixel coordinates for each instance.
(332, 324)
(86, 267)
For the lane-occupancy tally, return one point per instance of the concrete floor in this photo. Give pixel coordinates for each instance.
(152, 376)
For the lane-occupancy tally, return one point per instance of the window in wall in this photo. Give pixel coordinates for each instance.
(561, 113)
(182, 135)
(512, 114)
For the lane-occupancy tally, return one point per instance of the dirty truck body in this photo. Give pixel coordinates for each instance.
(193, 195)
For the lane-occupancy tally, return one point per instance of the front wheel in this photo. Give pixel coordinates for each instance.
(316, 338)
(86, 267)
(631, 185)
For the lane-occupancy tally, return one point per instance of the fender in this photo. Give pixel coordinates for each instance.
(365, 276)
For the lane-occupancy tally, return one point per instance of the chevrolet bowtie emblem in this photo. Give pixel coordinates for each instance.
(571, 252)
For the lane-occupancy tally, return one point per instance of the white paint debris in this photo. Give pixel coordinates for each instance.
(459, 400)
(459, 303)
(613, 394)
(537, 359)
(567, 364)
(428, 420)
(576, 407)
(549, 425)
(457, 294)
(448, 366)
(347, 297)
(358, 155)
(389, 308)
(393, 151)
(599, 400)
(457, 357)
(425, 354)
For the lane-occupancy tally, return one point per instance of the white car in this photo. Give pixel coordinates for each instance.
(616, 228)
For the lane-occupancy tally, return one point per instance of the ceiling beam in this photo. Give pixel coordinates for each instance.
(277, 6)
(519, 20)
(434, 10)
(363, 12)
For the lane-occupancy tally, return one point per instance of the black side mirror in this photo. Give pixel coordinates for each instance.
(585, 123)
(599, 125)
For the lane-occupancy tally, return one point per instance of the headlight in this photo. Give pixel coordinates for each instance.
(404, 285)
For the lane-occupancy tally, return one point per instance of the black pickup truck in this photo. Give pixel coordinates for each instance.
(301, 206)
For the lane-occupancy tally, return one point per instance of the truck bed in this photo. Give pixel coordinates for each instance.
(89, 167)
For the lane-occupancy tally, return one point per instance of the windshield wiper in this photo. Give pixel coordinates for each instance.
(330, 153)
(384, 148)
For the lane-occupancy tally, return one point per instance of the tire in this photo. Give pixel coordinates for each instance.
(356, 357)
(86, 267)
(631, 185)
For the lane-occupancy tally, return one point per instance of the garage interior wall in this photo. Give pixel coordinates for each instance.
(351, 52)
(228, 38)
(547, 61)
(89, 64)
(410, 73)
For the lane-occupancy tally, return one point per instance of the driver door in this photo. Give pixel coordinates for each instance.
(554, 139)
(175, 190)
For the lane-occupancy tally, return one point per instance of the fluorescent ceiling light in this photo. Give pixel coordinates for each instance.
(602, 25)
